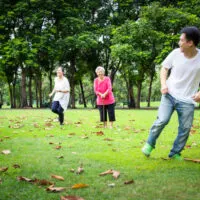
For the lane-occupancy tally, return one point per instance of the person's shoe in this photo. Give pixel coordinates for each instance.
(146, 150)
(177, 157)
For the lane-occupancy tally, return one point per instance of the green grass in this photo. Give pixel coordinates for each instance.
(155, 179)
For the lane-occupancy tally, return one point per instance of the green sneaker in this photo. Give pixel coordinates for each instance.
(146, 150)
(177, 157)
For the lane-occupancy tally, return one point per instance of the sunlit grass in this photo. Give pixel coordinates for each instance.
(154, 178)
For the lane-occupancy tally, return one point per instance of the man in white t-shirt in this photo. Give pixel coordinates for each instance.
(61, 98)
(179, 91)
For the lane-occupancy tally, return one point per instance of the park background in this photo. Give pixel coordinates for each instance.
(129, 38)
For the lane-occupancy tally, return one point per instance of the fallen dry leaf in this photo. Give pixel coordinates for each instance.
(77, 123)
(72, 134)
(48, 124)
(43, 182)
(1, 140)
(51, 135)
(188, 146)
(70, 198)
(192, 160)
(99, 133)
(16, 126)
(192, 131)
(111, 185)
(22, 178)
(16, 166)
(6, 152)
(72, 170)
(74, 152)
(79, 185)
(3, 169)
(59, 157)
(51, 143)
(116, 174)
(99, 126)
(129, 182)
(55, 189)
(165, 158)
(58, 147)
(36, 125)
(58, 177)
(84, 137)
(7, 137)
(80, 170)
(108, 139)
(127, 128)
(110, 171)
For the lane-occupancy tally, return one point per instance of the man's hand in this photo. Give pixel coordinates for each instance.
(164, 89)
(196, 97)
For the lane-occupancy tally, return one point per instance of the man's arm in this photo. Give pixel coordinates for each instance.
(163, 78)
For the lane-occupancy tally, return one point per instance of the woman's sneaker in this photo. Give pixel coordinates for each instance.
(147, 149)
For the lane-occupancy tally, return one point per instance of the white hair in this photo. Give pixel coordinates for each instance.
(99, 68)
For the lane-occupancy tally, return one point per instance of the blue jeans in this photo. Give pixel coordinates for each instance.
(185, 113)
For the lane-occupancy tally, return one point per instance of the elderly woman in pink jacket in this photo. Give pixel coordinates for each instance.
(105, 98)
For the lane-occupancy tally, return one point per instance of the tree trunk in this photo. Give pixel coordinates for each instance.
(14, 91)
(72, 81)
(11, 95)
(138, 94)
(149, 90)
(23, 88)
(36, 92)
(30, 90)
(14, 96)
(50, 81)
(40, 90)
(131, 102)
(83, 94)
(114, 71)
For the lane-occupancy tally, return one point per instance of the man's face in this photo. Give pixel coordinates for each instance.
(184, 44)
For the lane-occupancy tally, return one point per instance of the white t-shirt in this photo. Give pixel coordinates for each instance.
(63, 98)
(184, 79)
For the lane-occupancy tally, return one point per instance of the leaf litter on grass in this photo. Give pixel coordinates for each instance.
(71, 198)
(6, 152)
(57, 177)
(51, 188)
(79, 185)
(114, 173)
(3, 169)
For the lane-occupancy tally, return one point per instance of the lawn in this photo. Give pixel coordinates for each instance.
(33, 137)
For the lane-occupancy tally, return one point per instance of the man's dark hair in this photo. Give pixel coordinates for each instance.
(192, 33)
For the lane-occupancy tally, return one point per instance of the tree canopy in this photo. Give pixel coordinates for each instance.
(128, 38)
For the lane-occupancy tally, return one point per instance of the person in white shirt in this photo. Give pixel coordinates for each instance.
(179, 91)
(61, 98)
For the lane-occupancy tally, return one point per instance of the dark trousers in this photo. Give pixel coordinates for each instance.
(104, 109)
(56, 108)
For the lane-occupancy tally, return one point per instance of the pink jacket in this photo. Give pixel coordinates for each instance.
(102, 87)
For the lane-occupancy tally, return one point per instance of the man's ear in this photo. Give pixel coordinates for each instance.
(190, 43)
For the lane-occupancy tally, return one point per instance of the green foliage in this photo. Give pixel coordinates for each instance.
(127, 37)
